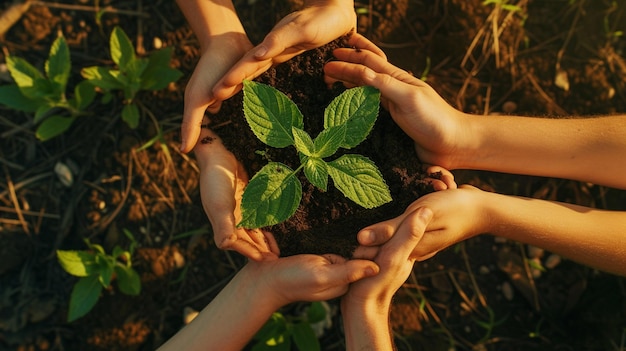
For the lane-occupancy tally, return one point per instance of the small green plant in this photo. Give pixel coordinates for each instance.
(132, 74)
(44, 93)
(274, 193)
(97, 270)
(280, 331)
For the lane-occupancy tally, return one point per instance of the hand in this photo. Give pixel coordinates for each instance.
(218, 57)
(458, 215)
(438, 129)
(318, 23)
(308, 277)
(222, 179)
(395, 260)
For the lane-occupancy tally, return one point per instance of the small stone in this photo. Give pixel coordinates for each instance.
(189, 314)
(484, 270)
(509, 107)
(157, 43)
(534, 252)
(507, 291)
(552, 261)
(64, 174)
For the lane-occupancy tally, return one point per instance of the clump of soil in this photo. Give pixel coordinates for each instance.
(325, 222)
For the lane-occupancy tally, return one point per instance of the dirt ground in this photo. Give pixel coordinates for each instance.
(549, 58)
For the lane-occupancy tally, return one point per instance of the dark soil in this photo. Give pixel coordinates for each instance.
(483, 294)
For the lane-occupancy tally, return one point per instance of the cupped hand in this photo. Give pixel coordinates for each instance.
(439, 130)
(458, 214)
(317, 24)
(221, 53)
(222, 180)
(309, 277)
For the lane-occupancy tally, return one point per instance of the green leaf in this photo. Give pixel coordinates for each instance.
(316, 312)
(303, 141)
(43, 90)
(84, 296)
(122, 49)
(270, 114)
(58, 65)
(43, 107)
(84, 93)
(273, 335)
(357, 109)
(12, 97)
(359, 180)
(53, 126)
(316, 172)
(304, 337)
(107, 264)
(135, 69)
(130, 115)
(101, 77)
(78, 263)
(159, 74)
(272, 196)
(23, 72)
(128, 280)
(329, 141)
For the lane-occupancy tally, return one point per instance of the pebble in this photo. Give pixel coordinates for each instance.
(507, 291)
(189, 314)
(552, 261)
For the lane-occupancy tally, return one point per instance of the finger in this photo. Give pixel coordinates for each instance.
(348, 271)
(374, 62)
(247, 68)
(442, 174)
(379, 233)
(409, 233)
(246, 248)
(271, 241)
(365, 252)
(362, 43)
(190, 127)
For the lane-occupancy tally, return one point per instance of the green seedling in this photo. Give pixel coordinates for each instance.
(132, 74)
(44, 93)
(274, 193)
(97, 270)
(280, 331)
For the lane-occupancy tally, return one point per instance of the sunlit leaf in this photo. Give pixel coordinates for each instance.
(359, 180)
(271, 196)
(270, 114)
(357, 109)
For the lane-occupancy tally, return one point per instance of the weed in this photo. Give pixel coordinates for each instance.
(274, 193)
(97, 270)
(44, 93)
(280, 331)
(132, 74)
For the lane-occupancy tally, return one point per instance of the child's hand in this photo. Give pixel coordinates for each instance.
(318, 23)
(309, 277)
(458, 215)
(222, 179)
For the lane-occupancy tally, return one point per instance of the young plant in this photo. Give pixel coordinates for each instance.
(44, 93)
(274, 193)
(97, 270)
(132, 74)
(280, 331)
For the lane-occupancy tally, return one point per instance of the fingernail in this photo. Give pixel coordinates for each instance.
(261, 51)
(370, 272)
(366, 237)
(369, 74)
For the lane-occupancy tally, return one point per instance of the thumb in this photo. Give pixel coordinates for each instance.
(190, 126)
(276, 42)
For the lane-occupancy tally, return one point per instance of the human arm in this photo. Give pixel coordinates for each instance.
(593, 237)
(223, 41)
(365, 308)
(317, 23)
(258, 290)
(585, 149)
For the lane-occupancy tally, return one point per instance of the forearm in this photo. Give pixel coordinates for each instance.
(593, 237)
(366, 326)
(209, 18)
(585, 149)
(230, 321)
